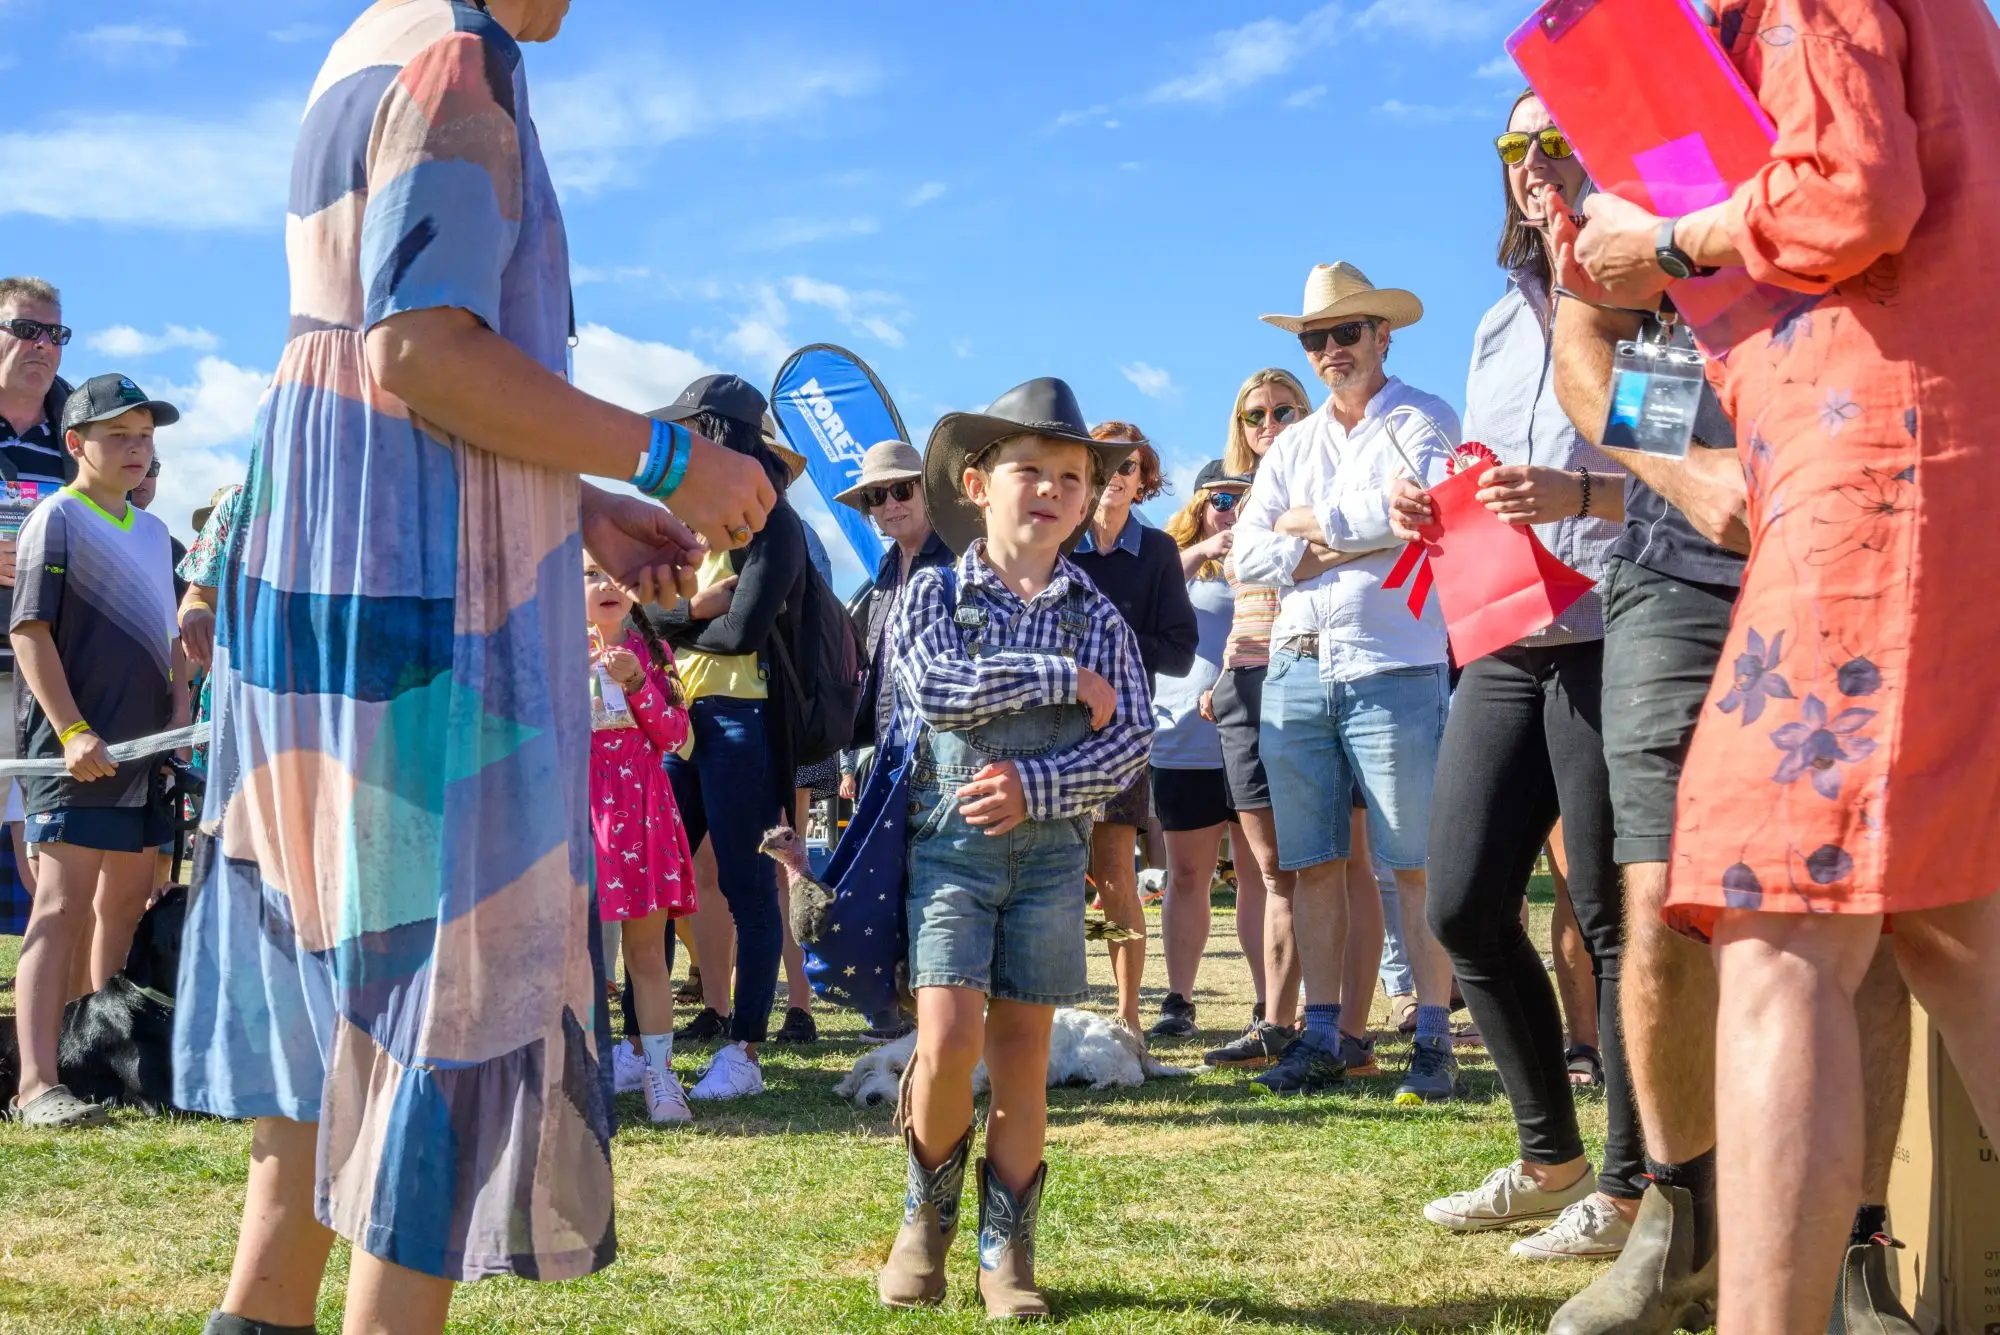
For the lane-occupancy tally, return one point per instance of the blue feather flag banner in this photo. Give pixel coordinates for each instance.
(832, 408)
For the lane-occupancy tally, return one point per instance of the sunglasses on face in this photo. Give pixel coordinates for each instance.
(1223, 501)
(1282, 414)
(896, 491)
(1129, 468)
(28, 331)
(153, 468)
(1513, 145)
(1343, 335)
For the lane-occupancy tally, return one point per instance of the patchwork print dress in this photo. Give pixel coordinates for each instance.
(1848, 760)
(393, 936)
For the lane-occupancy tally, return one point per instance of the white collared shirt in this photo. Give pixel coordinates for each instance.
(1344, 476)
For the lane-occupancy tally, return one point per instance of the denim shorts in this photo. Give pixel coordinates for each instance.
(106, 829)
(1321, 739)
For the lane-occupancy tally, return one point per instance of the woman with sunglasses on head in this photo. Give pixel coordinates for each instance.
(1139, 570)
(1524, 746)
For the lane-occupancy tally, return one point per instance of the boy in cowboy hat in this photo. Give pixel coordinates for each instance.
(1033, 711)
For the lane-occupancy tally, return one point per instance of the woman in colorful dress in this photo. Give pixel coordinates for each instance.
(390, 961)
(1848, 767)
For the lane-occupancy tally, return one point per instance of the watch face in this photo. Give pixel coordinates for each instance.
(1674, 266)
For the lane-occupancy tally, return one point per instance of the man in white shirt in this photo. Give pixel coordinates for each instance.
(1356, 693)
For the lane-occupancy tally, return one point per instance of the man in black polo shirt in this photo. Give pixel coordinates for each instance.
(1668, 597)
(32, 336)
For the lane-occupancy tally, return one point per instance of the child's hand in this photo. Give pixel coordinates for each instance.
(87, 758)
(623, 665)
(994, 801)
(1095, 694)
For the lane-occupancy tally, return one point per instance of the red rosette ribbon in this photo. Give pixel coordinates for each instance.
(1472, 454)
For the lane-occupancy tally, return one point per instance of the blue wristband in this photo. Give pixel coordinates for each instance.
(653, 468)
(676, 470)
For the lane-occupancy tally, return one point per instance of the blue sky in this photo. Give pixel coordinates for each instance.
(966, 195)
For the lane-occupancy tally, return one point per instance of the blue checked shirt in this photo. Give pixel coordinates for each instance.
(1023, 661)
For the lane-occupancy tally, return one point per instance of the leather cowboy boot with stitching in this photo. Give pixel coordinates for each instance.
(1007, 1247)
(1864, 1304)
(914, 1274)
(1654, 1287)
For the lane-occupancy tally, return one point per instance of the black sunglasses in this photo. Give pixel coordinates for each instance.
(1223, 501)
(1129, 467)
(153, 468)
(1344, 335)
(1282, 414)
(898, 491)
(30, 330)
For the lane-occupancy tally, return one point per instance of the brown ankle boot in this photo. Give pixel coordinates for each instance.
(913, 1276)
(1007, 1247)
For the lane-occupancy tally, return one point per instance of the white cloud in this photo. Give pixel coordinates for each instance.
(298, 32)
(1500, 67)
(581, 275)
(1241, 57)
(926, 193)
(1306, 97)
(1083, 115)
(122, 340)
(595, 124)
(188, 480)
(1424, 114)
(128, 44)
(874, 313)
(1437, 20)
(153, 170)
(785, 233)
(219, 408)
(1149, 380)
(961, 348)
(631, 372)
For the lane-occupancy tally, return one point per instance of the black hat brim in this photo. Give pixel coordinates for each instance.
(960, 437)
(164, 414)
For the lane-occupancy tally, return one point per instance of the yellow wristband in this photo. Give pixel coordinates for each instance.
(75, 729)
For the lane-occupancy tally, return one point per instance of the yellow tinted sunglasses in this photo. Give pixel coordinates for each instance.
(1513, 145)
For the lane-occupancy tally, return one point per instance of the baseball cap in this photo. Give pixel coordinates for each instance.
(103, 397)
(1213, 474)
(728, 396)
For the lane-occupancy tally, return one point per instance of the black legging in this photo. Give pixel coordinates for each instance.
(1524, 745)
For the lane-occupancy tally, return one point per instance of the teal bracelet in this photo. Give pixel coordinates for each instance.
(653, 466)
(676, 470)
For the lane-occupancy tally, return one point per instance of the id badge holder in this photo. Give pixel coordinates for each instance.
(1655, 392)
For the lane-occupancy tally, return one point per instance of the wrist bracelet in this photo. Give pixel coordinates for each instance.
(1583, 476)
(683, 451)
(73, 730)
(653, 463)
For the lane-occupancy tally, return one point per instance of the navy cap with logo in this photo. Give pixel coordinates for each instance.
(103, 397)
(728, 396)
(1214, 475)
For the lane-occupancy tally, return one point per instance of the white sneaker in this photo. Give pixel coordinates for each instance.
(1508, 1196)
(666, 1101)
(1587, 1231)
(628, 1069)
(732, 1075)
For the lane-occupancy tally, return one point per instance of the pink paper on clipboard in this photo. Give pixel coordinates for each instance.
(1659, 117)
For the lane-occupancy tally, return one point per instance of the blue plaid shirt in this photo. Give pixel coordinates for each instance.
(1024, 660)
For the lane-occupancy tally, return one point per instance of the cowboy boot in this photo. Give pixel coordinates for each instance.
(1654, 1287)
(1863, 1303)
(913, 1276)
(1007, 1246)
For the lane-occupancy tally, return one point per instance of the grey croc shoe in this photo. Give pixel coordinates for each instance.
(58, 1109)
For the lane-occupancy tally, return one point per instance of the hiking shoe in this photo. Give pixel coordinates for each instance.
(56, 1109)
(732, 1075)
(1358, 1055)
(628, 1069)
(1589, 1230)
(666, 1101)
(1403, 1012)
(689, 992)
(1257, 1047)
(1256, 1018)
(879, 1034)
(1304, 1068)
(1507, 1197)
(797, 1028)
(1433, 1074)
(1176, 1018)
(703, 1028)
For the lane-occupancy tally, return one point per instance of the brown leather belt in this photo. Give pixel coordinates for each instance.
(1305, 646)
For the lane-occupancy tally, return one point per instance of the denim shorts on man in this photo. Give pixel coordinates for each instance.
(1320, 739)
(999, 914)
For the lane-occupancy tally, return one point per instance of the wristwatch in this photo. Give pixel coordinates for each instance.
(1676, 263)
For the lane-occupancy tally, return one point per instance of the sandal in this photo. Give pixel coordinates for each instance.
(1585, 1066)
(689, 992)
(55, 1108)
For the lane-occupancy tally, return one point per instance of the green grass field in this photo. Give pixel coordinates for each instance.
(1186, 1205)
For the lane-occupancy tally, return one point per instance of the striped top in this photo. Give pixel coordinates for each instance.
(1249, 643)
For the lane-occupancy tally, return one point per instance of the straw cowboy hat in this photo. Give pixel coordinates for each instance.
(1042, 407)
(1337, 292)
(885, 462)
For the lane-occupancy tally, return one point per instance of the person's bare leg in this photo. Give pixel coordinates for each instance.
(1575, 983)
(58, 935)
(1882, 1013)
(1017, 1062)
(1280, 958)
(1947, 956)
(1319, 921)
(798, 991)
(24, 865)
(281, 1247)
(1364, 934)
(1186, 913)
(1117, 876)
(1788, 1067)
(1250, 897)
(383, 1298)
(1427, 958)
(714, 932)
(124, 890)
(644, 945)
(951, 1038)
(1667, 1001)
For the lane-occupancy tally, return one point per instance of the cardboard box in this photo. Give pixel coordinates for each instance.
(1944, 1198)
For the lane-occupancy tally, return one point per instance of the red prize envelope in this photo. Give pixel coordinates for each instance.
(1495, 581)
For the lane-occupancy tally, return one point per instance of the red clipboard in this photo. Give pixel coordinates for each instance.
(1659, 117)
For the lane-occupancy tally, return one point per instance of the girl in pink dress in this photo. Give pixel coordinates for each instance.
(644, 874)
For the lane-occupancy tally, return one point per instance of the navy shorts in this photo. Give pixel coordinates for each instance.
(107, 829)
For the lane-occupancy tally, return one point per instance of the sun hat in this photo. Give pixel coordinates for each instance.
(884, 462)
(1214, 477)
(221, 494)
(103, 397)
(1339, 291)
(774, 441)
(1042, 407)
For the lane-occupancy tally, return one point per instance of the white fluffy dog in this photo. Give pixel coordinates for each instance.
(1084, 1049)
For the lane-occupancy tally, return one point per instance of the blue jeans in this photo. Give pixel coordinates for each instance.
(1319, 739)
(725, 792)
(1398, 980)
